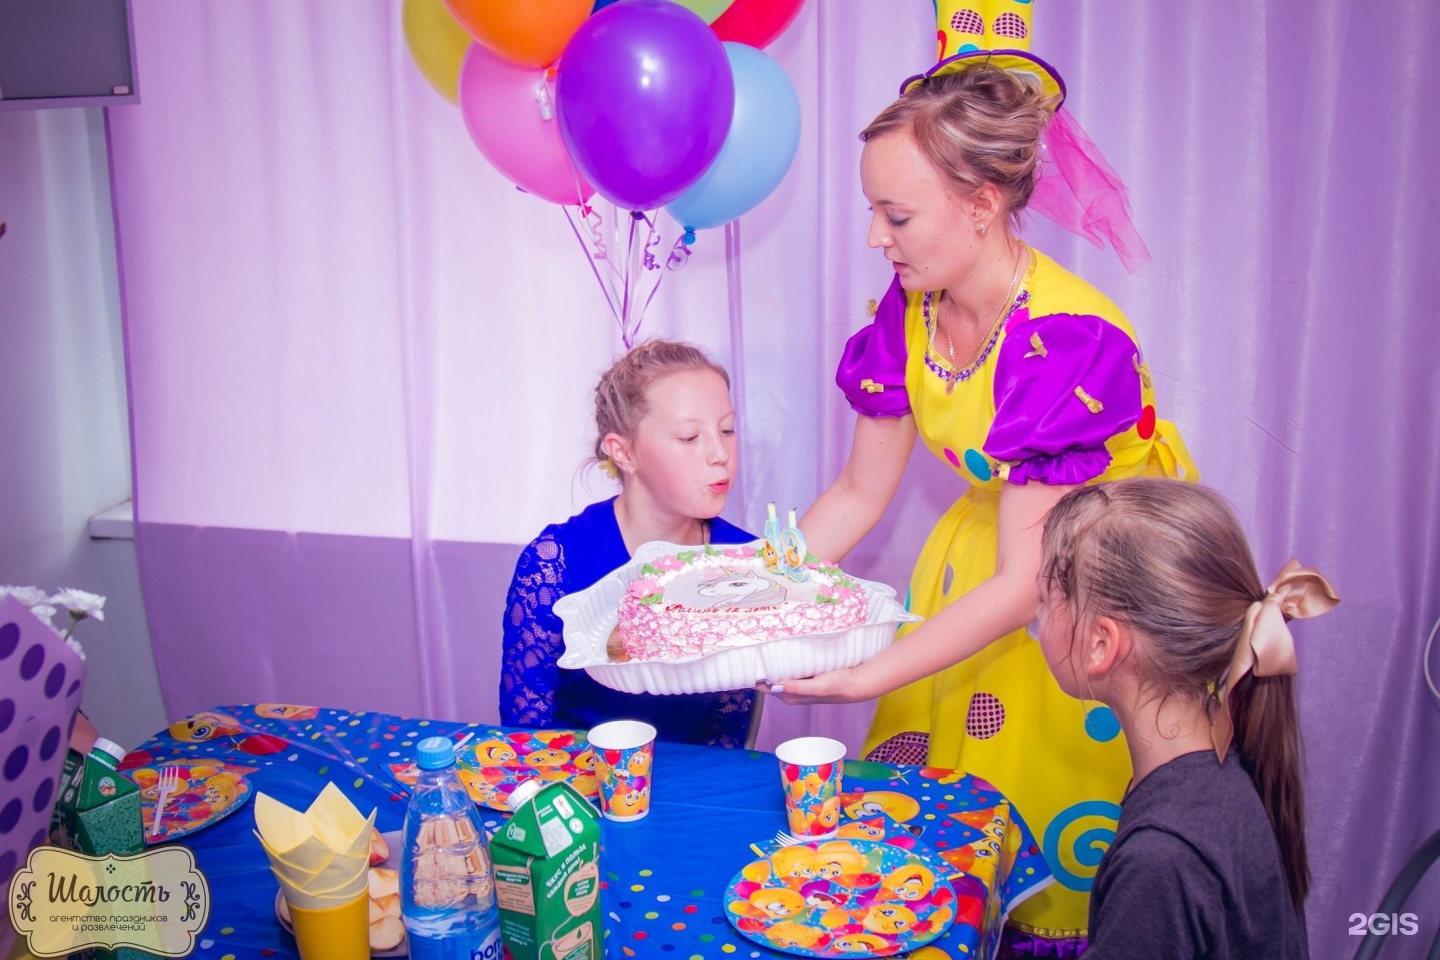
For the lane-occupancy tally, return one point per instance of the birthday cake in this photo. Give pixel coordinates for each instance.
(696, 602)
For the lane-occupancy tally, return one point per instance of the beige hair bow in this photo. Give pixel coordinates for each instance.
(1266, 646)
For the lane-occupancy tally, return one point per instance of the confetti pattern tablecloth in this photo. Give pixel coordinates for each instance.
(664, 877)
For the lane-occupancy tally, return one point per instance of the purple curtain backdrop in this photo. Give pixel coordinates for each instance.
(357, 356)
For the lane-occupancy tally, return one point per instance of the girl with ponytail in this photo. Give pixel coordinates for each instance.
(1150, 603)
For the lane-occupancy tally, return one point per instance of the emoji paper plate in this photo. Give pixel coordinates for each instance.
(842, 898)
(494, 763)
(209, 792)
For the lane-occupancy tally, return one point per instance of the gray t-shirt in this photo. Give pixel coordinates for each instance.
(1194, 871)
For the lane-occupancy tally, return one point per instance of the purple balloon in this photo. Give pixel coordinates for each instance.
(644, 97)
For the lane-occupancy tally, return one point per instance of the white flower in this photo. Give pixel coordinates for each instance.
(80, 604)
(77, 603)
(29, 596)
(44, 612)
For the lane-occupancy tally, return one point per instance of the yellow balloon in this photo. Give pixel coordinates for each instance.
(437, 44)
(709, 10)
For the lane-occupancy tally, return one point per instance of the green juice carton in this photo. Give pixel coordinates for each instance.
(547, 875)
(98, 810)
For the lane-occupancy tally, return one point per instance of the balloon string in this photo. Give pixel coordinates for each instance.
(609, 300)
(547, 104)
(542, 100)
(738, 372)
(651, 241)
(630, 326)
(593, 221)
(679, 256)
(637, 272)
(596, 224)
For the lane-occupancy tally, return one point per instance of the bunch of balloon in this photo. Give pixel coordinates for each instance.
(658, 112)
(641, 101)
(645, 97)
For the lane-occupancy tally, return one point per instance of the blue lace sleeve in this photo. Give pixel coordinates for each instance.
(532, 636)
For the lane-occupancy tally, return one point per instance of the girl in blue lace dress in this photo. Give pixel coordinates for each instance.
(665, 427)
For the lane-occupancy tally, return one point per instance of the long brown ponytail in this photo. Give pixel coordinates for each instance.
(1267, 735)
(1170, 560)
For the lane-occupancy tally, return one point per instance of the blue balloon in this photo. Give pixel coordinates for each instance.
(764, 134)
(601, 5)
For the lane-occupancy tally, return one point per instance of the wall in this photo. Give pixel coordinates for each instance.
(64, 437)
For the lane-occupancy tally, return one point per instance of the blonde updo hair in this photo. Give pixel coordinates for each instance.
(621, 396)
(981, 125)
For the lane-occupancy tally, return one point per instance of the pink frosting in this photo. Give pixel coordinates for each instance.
(667, 631)
(642, 587)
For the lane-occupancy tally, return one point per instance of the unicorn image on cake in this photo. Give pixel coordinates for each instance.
(735, 590)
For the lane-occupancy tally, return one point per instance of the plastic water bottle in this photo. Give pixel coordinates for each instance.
(447, 885)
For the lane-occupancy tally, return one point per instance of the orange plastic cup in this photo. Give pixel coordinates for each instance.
(336, 933)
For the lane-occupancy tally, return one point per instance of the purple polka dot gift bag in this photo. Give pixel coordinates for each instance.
(41, 679)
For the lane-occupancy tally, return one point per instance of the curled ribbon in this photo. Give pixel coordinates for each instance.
(1266, 646)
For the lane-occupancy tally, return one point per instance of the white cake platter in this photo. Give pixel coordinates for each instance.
(590, 615)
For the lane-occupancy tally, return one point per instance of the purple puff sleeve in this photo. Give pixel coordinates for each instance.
(872, 370)
(1064, 384)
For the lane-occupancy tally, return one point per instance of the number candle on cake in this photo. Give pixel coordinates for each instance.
(784, 549)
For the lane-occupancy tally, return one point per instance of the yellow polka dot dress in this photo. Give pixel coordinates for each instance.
(1061, 394)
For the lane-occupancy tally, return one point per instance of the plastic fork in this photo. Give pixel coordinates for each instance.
(783, 839)
(168, 784)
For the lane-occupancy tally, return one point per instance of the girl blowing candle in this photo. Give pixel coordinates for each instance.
(666, 429)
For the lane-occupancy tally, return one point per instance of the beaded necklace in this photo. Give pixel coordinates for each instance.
(956, 375)
(952, 377)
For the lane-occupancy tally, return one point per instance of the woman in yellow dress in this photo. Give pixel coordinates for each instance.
(1028, 382)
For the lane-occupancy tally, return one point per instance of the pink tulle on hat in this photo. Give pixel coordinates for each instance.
(1075, 187)
(1081, 192)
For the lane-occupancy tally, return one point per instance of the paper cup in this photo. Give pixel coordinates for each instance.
(624, 755)
(810, 774)
(336, 933)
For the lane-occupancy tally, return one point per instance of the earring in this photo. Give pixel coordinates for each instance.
(980, 228)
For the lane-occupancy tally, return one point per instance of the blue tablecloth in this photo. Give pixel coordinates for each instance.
(664, 877)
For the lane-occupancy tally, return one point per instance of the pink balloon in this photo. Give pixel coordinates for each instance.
(505, 106)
